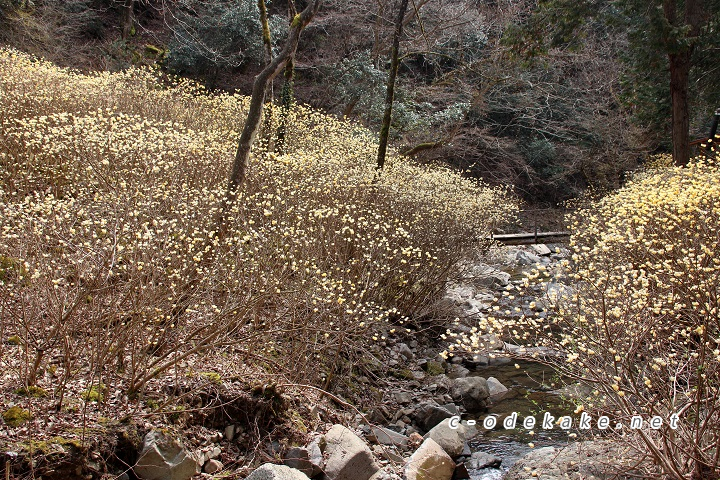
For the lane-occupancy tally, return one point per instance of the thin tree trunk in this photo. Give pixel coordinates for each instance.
(267, 42)
(257, 100)
(390, 95)
(287, 98)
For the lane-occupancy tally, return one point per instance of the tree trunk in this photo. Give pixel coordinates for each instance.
(680, 59)
(127, 19)
(257, 100)
(679, 87)
(390, 95)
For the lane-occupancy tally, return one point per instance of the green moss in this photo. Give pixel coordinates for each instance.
(47, 447)
(16, 416)
(96, 393)
(32, 391)
(404, 374)
(434, 368)
(153, 51)
(213, 377)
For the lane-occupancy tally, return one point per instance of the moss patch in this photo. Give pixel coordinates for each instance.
(16, 416)
(434, 368)
(212, 376)
(32, 391)
(96, 393)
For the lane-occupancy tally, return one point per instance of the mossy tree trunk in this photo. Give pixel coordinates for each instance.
(287, 95)
(257, 100)
(390, 95)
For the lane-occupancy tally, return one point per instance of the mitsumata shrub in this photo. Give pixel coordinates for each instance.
(640, 323)
(109, 189)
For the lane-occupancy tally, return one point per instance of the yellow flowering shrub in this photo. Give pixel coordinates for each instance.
(109, 188)
(641, 321)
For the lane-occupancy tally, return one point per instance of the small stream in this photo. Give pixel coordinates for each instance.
(529, 395)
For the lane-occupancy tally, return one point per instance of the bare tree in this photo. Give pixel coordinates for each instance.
(390, 95)
(257, 101)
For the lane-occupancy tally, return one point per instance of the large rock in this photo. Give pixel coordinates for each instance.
(348, 457)
(472, 392)
(452, 440)
(496, 389)
(524, 258)
(429, 462)
(482, 275)
(270, 471)
(577, 461)
(428, 415)
(458, 371)
(541, 249)
(164, 458)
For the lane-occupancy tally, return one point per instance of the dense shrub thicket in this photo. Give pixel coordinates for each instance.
(109, 186)
(640, 324)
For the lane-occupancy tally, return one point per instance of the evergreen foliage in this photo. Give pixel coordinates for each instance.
(225, 34)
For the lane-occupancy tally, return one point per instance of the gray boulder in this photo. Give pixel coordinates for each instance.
(270, 471)
(405, 351)
(458, 371)
(525, 258)
(164, 458)
(213, 466)
(482, 275)
(472, 392)
(299, 459)
(385, 436)
(348, 457)
(541, 249)
(496, 389)
(452, 440)
(429, 462)
(427, 415)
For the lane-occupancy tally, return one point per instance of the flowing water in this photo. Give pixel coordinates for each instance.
(530, 394)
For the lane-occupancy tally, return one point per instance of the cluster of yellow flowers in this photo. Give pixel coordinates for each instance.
(110, 187)
(641, 320)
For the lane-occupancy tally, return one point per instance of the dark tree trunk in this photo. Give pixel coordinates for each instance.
(679, 88)
(680, 52)
(127, 18)
(257, 100)
(390, 95)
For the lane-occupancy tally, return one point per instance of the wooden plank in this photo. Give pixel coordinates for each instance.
(527, 238)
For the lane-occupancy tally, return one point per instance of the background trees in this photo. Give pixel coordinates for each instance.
(596, 102)
(667, 81)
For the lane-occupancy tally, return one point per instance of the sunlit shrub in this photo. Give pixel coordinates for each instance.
(641, 323)
(110, 185)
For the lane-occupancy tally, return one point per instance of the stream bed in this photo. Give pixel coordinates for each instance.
(530, 393)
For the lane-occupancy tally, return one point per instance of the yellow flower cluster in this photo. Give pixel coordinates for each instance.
(110, 187)
(641, 322)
